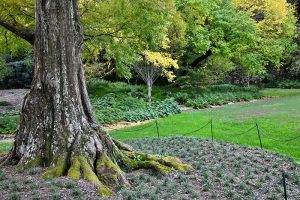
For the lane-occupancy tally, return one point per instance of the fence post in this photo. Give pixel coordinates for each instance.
(284, 185)
(258, 133)
(157, 131)
(211, 130)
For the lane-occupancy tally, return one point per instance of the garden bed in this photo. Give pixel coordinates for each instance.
(222, 171)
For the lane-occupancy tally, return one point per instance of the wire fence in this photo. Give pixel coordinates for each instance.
(214, 131)
(261, 133)
(287, 186)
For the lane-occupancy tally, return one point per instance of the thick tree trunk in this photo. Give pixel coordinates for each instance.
(57, 126)
(56, 115)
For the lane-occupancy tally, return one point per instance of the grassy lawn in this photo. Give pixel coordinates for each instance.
(280, 92)
(277, 117)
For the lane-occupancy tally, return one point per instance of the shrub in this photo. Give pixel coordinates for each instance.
(284, 85)
(181, 97)
(8, 124)
(113, 108)
(206, 99)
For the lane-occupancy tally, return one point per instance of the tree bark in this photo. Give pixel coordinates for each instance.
(56, 112)
(149, 88)
(57, 126)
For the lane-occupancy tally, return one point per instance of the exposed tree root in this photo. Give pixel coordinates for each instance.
(104, 172)
(161, 164)
(122, 146)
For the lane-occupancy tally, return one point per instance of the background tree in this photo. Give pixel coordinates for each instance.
(153, 65)
(248, 34)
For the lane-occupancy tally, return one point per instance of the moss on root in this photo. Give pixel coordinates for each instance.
(104, 191)
(109, 172)
(122, 146)
(59, 168)
(74, 170)
(37, 162)
(89, 175)
(164, 165)
(87, 172)
(2, 155)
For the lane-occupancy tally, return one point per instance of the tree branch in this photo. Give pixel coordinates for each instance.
(201, 58)
(19, 30)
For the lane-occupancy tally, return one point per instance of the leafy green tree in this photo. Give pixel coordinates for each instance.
(247, 33)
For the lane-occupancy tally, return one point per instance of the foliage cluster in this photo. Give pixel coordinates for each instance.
(114, 108)
(285, 85)
(237, 33)
(205, 100)
(120, 101)
(204, 97)
(8, 124)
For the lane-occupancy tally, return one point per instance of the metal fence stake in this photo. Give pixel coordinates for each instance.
(211, 130)
(284, 186)
(157, 131)
(258, 133)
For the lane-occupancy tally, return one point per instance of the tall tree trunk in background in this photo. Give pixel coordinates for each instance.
(57, 125)
(149, 88)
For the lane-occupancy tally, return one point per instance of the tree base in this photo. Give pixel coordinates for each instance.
(105, 172)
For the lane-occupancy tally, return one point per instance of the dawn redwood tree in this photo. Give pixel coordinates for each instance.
(57, 127)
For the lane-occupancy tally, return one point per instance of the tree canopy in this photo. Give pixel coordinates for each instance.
(225, 33)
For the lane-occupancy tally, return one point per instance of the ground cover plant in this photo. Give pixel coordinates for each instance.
(221, 171)
(113, 108)
(277, 118)
(8, 124)
(285, 84)
(118, 101)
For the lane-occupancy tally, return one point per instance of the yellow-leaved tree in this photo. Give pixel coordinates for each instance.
(275, 22)
(153, 65)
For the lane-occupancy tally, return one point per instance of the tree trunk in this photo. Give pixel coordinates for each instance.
(149, 95)
(56, 115)
(57, 125)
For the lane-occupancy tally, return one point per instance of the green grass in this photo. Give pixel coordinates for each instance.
(278, 117)
(5, 146)
(280, 92)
